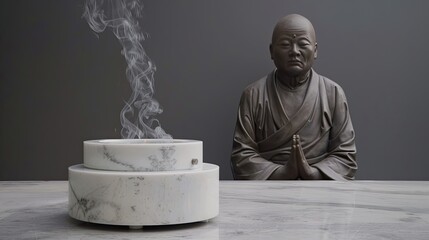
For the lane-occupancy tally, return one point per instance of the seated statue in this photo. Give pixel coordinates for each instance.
(294, 123)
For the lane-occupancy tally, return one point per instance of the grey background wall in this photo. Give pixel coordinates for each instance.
(61, 84)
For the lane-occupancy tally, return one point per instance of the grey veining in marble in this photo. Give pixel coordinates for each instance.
(147, 155)
(143, 198)
(165, 162)
(248, 210)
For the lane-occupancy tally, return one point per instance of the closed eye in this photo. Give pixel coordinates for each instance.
(303, 43)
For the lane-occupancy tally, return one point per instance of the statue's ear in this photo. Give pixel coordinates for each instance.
(315, 51)
(271, 51)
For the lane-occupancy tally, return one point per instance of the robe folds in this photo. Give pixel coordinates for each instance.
(263, 134)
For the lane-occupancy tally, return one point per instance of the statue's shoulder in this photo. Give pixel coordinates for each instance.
(330, 85)
(334, 91)
(257, 87)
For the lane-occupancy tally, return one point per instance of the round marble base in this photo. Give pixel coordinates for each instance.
(143, 198)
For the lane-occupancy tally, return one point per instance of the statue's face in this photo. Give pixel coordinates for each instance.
(293, 48)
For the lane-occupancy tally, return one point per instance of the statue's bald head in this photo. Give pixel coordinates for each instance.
(293, 46)
(295, 23)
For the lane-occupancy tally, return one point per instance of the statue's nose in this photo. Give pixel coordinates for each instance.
(294, 51)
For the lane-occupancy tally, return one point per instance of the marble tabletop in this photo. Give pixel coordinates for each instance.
(248, 210)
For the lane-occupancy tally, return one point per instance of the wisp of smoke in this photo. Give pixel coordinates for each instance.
(137, 116)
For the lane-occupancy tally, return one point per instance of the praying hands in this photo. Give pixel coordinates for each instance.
(297, 166)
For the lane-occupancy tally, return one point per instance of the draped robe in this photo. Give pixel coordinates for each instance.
(263, 134)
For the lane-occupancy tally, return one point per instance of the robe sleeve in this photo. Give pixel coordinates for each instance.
(340, 163)
(246, 162)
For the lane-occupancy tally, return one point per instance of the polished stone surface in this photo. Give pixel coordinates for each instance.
(248, 210)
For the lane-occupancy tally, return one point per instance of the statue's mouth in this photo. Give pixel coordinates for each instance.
(295, 62)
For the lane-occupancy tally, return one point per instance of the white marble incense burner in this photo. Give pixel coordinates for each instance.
(138, 182)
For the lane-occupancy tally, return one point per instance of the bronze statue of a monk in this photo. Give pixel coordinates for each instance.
(294, 123)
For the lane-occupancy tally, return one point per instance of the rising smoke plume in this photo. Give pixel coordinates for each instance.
(138, 115)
